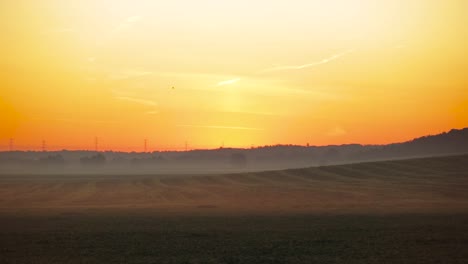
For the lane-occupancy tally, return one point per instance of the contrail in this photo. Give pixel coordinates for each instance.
(291, 67)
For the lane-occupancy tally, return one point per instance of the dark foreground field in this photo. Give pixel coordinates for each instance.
(413, 211)
(151, 238)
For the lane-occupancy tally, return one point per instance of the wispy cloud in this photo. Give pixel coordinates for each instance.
(308, 65)
(155, 112)
(137, 100)
(337, 131)
(288, 67)
(127, 23)
(57, 31)
(81, 121)
(133, 19)
(401, 46)
(128, 74)
(228, 82)
(222, 127)
(252, 113)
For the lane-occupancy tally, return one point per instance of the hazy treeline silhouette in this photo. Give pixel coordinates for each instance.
(260, 158)
(97, 159)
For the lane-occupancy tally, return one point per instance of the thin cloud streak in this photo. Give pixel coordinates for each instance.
(308, 65)
(137, 100)
(337, 131)
(401, 46)
(228, 82)
(251, 113)
(134, 19)
(129, 74)
(127, 23)
(78, 121)
(291, 67)
(222, 127)
(57, 31)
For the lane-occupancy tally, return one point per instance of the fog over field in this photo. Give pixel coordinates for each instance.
(226, 160)
(396, 211)
(178, 209)
(238, 180)
(416, 185)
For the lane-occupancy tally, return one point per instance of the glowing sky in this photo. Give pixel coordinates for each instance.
(242, 73)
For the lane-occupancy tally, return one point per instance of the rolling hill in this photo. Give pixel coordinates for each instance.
(223, 160)
(427, 184)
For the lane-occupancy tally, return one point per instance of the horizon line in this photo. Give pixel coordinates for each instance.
(185, 149)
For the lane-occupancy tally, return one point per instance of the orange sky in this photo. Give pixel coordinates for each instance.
(244, 72)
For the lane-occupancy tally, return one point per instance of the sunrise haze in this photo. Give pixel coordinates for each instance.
(238, 73)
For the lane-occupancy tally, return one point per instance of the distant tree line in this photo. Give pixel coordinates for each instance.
(56, 159)
(98, 159)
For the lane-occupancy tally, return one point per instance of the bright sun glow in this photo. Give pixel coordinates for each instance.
(240, 72)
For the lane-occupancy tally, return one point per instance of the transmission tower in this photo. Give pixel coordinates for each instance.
(44, 146)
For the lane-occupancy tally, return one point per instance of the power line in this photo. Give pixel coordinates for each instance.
(44, 146)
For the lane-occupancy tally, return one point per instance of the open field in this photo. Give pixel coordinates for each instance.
(418, 185)
(151, 238)
(410, 211)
